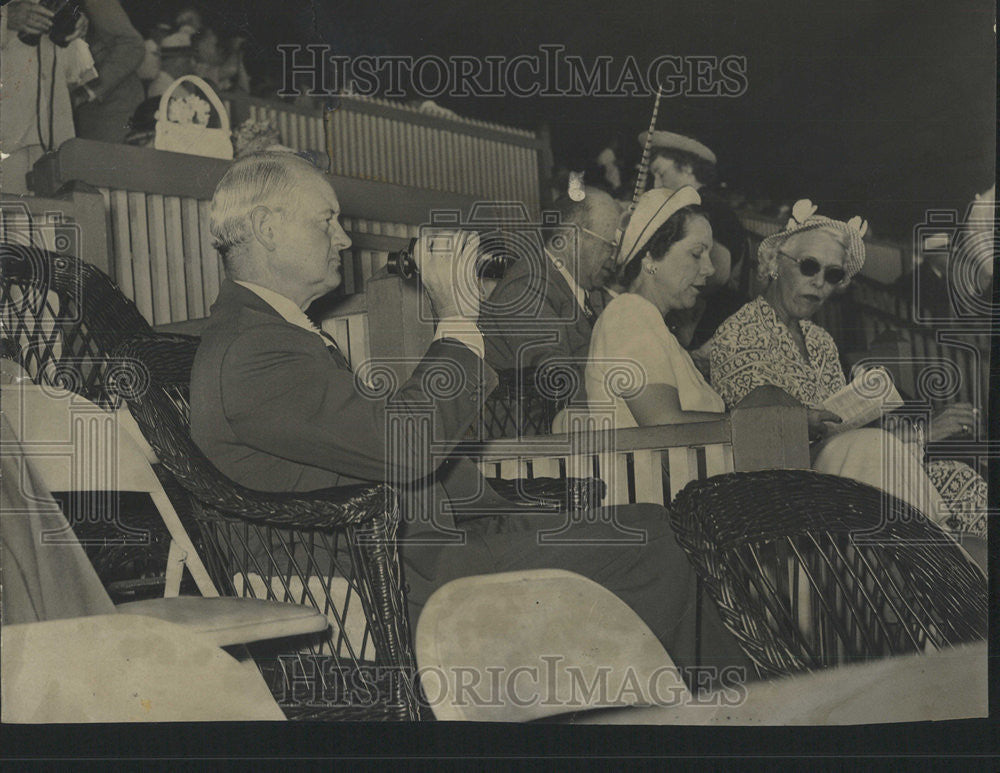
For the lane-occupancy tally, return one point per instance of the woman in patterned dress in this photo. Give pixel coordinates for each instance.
(772, 342)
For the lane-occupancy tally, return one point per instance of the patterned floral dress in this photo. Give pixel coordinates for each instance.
(754, 348)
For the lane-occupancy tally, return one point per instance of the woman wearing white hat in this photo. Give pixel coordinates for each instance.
(637, 371)
(772, 342)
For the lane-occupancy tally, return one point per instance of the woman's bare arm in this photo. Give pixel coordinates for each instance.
(660, 404)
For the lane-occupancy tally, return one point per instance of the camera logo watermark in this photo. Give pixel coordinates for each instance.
(953, 267)
(550, 72)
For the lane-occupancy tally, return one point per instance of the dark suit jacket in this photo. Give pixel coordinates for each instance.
(532, 316)
(276, 410)
(118, 51)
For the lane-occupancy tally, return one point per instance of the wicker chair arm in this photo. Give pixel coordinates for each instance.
(323, 510)
(151, 372)
(568, 494)
(777, 513)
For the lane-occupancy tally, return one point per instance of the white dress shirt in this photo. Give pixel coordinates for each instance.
(459, 329)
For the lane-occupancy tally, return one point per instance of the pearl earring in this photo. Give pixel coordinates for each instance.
(650, 270)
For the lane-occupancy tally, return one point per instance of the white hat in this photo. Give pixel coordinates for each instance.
(176, 42)
(653, 209)
(662, 139)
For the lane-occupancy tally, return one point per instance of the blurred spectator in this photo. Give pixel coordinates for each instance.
(190, 19)
(952, 276)
(430, 107)
(255, 136)
(149, 68)
(37, 113)
(979, 241)
(676, 161)
(220, 65)
(926, 284)
(105, 105)
(176, 60)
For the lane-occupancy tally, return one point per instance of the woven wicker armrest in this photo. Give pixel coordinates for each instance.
(152, 372)
(764, 506)
(326, 509)
(568, 494)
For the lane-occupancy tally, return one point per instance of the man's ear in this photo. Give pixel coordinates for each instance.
(262, 226)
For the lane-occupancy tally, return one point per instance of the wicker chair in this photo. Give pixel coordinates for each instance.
(525, 402)
(334, 549)
(807, 573)
(60, 319)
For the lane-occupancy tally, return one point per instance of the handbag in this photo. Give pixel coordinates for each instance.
(194, 137)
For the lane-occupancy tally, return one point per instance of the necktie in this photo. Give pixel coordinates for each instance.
(338, 355)
(588, 309)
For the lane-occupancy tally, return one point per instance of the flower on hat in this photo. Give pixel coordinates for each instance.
(804, 218)
(858, 224)
(802, 211)
(252, 136)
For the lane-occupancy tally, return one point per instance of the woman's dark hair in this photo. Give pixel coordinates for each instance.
(674, 229)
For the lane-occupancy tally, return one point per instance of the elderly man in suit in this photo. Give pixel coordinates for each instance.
(276, 407)
(540, 313)
(539, 318)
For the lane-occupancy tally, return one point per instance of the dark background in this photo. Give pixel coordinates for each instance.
(882, 108)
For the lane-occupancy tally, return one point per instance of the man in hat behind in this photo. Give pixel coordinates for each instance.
(676, 161)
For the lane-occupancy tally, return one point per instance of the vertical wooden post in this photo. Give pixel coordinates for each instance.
(397, 332)
(770, 432)
(91, 215)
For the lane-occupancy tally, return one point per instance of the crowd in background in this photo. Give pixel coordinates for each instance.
(100, 78)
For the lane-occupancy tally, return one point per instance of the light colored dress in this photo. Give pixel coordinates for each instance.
(26, 103)
(631, 346)
(754, 348)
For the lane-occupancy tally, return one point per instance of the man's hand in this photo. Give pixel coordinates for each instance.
(818, 419)
(82, 25)
(447, 262)
(24, 16)
(81, 95)
(958, 420)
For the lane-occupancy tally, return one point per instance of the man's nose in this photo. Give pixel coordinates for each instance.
(341, 239)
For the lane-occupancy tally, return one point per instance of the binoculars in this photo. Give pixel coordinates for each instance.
(63, 23)
(402, 263)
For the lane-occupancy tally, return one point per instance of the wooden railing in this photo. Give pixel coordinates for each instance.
(375, 139)
(647, 464)
(940, 363)
(653, 464)
(157, 244)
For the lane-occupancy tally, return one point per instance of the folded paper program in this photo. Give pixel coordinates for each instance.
(870, 394)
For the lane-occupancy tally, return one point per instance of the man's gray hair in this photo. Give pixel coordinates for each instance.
(260, 179)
